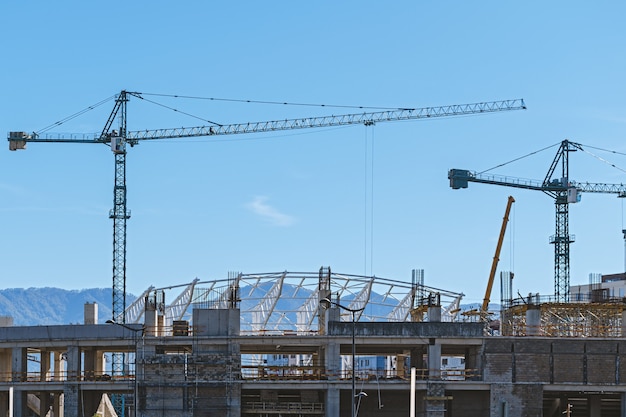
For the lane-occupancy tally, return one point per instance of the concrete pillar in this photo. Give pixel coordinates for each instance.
(44, 403)
(434, 361)
(472, 363)
(436, 399)
(89, 364)
(417, 362)
(71, 389)
(333, 361)
(44, 365)
(434, 314)
(332, 401)
(19, 361)
(161, 330)
(595, 406)
(332, 314)
(58, 366)
(623, 327)
(5, 364)
(57, 404)
(533, 320)
(73, 363)
(71, 403)
(91, 313)
(4, 403)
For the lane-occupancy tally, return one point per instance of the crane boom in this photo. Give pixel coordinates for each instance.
(366, 118)
(460, 177)
(496, 257)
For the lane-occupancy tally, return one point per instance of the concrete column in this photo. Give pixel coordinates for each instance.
(90, 313)
(4, 403)
(434, 314)
(71, 400)
(19, 360)
(332, 401)
(5, 364)
(19, 364)
(73, 363)
(472, 363)
(90, 364)
(44, 365)
(434, 361)
(417, 362)
(333, 361)
(533, 320)
(150, 320)
(71, 389)
(595, 406)
(57, 406)
(436, 399)
(44, 403)
(58, 365)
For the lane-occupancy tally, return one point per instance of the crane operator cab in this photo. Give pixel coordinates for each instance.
(116, 142)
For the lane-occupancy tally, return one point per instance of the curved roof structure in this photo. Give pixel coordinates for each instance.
(285, 302)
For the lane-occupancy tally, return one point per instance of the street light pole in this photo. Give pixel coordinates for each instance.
(326, 303)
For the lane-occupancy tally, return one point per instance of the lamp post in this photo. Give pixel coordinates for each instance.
(135, 330)
(325, 303)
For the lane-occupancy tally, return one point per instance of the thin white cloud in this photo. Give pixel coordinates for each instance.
(260, 207)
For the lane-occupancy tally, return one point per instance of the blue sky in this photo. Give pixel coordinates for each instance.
(363, 200)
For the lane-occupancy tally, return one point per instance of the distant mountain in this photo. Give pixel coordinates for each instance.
(50, 306)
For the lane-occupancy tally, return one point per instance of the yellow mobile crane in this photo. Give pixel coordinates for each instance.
(496, 258)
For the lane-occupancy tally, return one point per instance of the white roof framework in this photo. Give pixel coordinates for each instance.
(262, 312)
(134, 312)
(287, 302)
(176, 310)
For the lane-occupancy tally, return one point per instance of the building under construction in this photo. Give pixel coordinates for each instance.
(261, 345)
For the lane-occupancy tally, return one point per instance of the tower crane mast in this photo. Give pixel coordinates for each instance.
(119, 139)
(564, 192)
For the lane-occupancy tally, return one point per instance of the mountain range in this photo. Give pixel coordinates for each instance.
(50, 306)
(55, 306)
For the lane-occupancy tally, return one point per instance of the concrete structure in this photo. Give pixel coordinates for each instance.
(215, 371)
(229, 361)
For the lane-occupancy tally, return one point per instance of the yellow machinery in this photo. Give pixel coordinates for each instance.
(496, 258)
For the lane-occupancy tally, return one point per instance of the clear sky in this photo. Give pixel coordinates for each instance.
(362, 200)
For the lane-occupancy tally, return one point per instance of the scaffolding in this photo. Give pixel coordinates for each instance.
(563, 319)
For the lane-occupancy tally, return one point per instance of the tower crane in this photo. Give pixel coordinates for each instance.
(562, 190)
(118, 139)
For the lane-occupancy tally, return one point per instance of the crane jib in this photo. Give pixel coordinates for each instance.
(18, 140)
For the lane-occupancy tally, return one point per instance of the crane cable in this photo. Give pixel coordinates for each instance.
(75, 115)
(582, 147)
(602, 159)
(517, 159)
(283, 103)
(176, 110)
